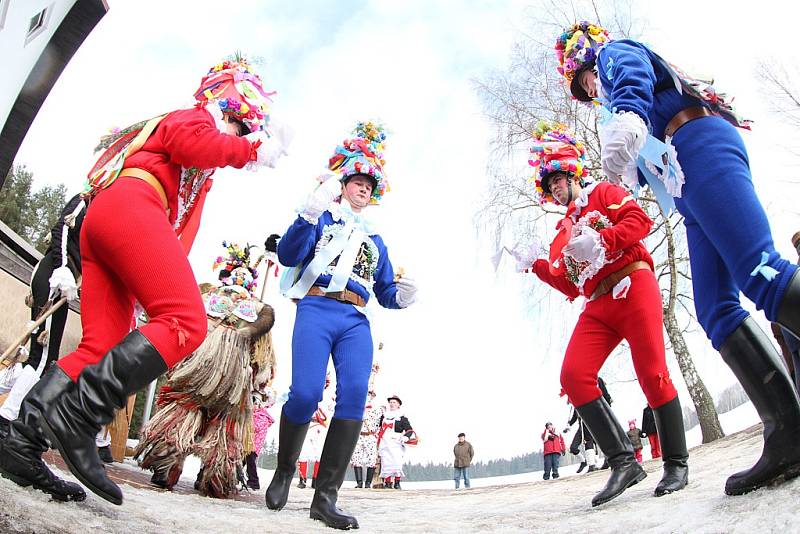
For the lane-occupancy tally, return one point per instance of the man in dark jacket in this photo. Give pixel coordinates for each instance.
(53, 277)
(650, 430)
(463, 452)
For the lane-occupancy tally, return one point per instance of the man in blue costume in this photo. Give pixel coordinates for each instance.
(340, 263)
(680, 135)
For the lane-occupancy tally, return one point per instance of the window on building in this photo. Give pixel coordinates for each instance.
(38, 23)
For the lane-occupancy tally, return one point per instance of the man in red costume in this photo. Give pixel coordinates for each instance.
(598, 254)
(147, 191)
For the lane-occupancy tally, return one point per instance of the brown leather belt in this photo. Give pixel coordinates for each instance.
(368, 433)
(342, 296)
(608, 283)
(684, 116)
(135, 172)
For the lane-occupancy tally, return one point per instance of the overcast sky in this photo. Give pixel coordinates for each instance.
(472, 356)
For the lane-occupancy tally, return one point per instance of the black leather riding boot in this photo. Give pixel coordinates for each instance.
(21, 451)
(755, 362)
(669, 422)
(612, 439)
(339, 446)
(368, 479)
(74, 418)
(290, 442)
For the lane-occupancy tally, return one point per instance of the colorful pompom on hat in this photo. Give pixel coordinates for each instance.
(236, 268)
(239, 92)
(555, 149)
(363, 154)
(577, 48)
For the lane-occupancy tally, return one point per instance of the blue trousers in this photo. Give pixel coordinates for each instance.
(726, 228)
(459, 472)
(323, 328)
(551, 462)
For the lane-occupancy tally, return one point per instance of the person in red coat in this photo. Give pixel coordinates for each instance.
(146, 197)
(553, 450)
(598, 255)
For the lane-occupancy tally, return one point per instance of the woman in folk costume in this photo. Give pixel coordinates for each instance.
(311, 452)
(598, 254)
(263, 399)
(341, 262)
(679, 135)
(143, 215)
(366, 451)
(394, 434)
(205, 408)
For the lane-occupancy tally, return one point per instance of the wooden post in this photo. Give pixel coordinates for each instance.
(119, 429)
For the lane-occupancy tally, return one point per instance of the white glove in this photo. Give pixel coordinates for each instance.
(281, 135)
(272, 147)
(63, 280)
(318, 201)
(526, 254)
(584, 247)
(621, 137)
(630, 176)
(406, 292)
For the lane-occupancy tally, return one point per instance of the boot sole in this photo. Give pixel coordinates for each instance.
(45, 426)
(319, 517)
(641, 476)
(789, 474)
(27, 484)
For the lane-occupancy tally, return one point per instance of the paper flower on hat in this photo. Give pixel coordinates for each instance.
(578, 46)
(238, 90)
(236, 268)
(555, 149)
(363, 154)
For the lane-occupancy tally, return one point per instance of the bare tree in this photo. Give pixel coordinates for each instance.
(667, 245)
(781, 84)
(531, 90)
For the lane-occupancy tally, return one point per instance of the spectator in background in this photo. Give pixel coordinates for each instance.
(650, 430)
(635, 435)
(463, 452)
(582, 445)
(394, 436)
(554, 449)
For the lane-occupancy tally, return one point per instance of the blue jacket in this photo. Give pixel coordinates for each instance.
(372, 267)
(634, 79)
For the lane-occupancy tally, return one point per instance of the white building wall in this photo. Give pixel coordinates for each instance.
(19, 52)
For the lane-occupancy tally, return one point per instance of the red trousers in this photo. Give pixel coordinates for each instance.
(655, 446)
(604, 323)
(129, 252)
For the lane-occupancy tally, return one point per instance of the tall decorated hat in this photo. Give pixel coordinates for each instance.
(363, 154)
(577, 48)
(238, 91)
(555, 149)
(237, 269)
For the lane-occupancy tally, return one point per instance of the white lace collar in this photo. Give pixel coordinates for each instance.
(583, 200)
(342, 211)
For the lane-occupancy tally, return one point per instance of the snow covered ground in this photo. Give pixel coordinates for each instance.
(520, 503)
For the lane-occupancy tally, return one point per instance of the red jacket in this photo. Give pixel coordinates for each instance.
(554, 445)
(622, 240)
(188, 138)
